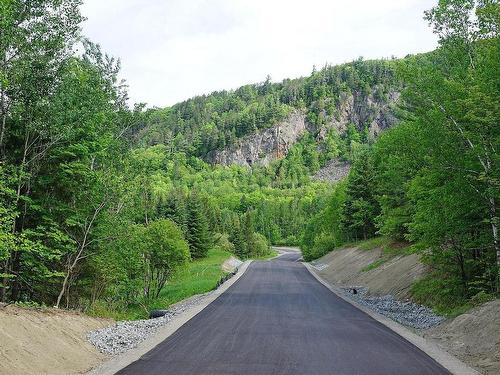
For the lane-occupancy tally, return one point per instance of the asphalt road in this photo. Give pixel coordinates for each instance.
(277, 319)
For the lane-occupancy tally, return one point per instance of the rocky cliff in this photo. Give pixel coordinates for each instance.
(264, 146)
(269, 144)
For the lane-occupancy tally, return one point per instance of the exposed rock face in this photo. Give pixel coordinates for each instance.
(361, 111)
(275, 142)
(264, 146)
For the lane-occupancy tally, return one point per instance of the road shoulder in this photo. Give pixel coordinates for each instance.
(451, 363)
(122, 360)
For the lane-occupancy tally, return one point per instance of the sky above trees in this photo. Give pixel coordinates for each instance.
(172, 50)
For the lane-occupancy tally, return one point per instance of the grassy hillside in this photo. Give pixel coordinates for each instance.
(216, 121)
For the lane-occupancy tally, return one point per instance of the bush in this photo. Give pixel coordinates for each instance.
(223, 243)
(166, 251)
(261, 246)
(322, 245)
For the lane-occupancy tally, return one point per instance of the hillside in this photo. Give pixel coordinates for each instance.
(258, 123)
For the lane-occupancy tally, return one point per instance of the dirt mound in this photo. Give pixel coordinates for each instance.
(46, 341)
(473, 336)
(352, 266)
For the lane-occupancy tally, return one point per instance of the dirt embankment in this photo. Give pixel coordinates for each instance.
(46, 341)
(474, 337)
(350, 266)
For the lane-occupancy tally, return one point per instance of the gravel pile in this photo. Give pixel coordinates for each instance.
(126, 335)
(407, 313)
(333, 171)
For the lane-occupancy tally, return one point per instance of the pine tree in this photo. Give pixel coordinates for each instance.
(361, 207)
(198, 234)
(248, 234)
(175, 209)
(237, 238)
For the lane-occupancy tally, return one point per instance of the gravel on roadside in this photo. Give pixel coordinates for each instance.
(407, 313)
(127, 334)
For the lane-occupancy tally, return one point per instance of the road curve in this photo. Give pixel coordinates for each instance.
(277, 319)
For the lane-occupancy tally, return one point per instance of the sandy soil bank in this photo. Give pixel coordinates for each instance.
(46, 341)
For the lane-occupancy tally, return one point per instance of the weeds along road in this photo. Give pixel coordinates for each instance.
(277, 319)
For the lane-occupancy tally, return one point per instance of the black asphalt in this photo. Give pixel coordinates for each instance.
(277, 319)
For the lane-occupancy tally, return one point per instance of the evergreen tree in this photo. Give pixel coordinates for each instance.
(198, 234)
(175, 209)
(361, 207)
(248, 234)
(237, 238)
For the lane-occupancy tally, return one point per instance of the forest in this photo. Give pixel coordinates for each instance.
(103, 202)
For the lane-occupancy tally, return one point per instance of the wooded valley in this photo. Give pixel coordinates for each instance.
(103, 204)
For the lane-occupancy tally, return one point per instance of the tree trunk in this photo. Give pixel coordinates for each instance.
(79, 254)
(63, 289)
(494, 230)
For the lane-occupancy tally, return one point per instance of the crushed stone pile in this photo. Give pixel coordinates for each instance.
(335, 170)
(407, 313)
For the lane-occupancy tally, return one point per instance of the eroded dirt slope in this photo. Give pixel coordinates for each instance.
(473, 336)
(46, 341)
(394, 276)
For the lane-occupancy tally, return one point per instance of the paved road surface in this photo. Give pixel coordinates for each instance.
(277, 319)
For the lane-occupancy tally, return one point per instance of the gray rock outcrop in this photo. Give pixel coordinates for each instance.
(274, 142)
(264, 146)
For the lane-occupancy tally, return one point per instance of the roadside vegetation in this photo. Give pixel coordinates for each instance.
(433, 180)
(199, 276)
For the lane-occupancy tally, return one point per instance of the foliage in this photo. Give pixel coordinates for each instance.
(324, 231)
(434, 178)
(360, 206)
(166, 250)
(101, 207)
(197, 228)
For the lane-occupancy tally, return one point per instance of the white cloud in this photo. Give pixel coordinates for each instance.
(172, 50)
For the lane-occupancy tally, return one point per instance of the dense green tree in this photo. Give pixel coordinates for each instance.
(174, 208)
(35, 46)
(236, 237)
(324, 230)
(361, 207)
(198, 235)
(248, 231)
(166, 250)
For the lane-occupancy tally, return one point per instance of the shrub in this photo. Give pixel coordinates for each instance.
(261, 247)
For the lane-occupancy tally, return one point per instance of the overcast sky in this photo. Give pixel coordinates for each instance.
(172, 50)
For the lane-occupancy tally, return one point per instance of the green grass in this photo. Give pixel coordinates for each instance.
(373, 265)
(271, 254)
(199, 276)
(373, 243)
